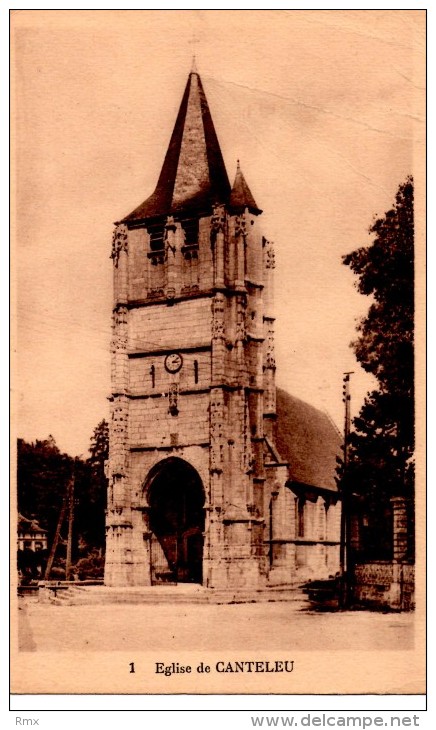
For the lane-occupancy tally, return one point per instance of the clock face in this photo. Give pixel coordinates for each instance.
(173, 362)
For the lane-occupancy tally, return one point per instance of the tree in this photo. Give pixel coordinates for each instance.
(97, 485)
(381, 444)
(43, 473)
(42, 476)
(99, 448)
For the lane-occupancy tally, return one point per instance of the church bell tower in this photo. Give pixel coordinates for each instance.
(192, 463)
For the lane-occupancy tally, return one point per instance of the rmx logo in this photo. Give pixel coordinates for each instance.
(26, 721)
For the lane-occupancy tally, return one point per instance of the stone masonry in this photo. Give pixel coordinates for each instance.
(193, 382)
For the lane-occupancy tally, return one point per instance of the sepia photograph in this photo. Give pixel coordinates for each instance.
(218, 396)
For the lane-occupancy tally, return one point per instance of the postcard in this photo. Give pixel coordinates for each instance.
(218, 390)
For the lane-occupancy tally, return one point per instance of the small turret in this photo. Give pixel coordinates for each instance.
(241, 196)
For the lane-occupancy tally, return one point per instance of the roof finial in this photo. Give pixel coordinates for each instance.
(238, 166)
(193, 42)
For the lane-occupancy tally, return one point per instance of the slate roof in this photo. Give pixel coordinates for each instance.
(241, 196)
(308, 440)
(193, 175)
(28, 526)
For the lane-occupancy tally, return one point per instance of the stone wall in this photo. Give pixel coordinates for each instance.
(148, 377)
(151, 425)
(185, 324)
(387, 584)
(384, 584)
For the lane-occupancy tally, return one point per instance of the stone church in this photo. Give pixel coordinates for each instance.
(215, 476)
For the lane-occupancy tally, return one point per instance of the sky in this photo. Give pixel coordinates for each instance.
(324, 110)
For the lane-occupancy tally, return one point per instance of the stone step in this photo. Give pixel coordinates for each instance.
(103, 595)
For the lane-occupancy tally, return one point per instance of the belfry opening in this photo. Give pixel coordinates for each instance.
(175, 496)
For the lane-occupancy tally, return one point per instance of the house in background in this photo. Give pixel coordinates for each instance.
(31, 536)
(32, 549)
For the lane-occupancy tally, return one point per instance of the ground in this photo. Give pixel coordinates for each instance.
(248, 626)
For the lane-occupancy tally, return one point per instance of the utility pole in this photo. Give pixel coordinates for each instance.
(67, 504)
(347, 422)
(344, 551)
(56, 537)
(70, 526)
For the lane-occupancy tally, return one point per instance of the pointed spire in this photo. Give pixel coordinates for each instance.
(194, 65)
(241, 196)
(193, 176)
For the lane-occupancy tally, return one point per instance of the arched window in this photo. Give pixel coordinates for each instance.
(156, 237)
(196, 371)
(300, 516)
(190, 229)
(156, 253)
(190, 270)
(153, 376)
(327, 518)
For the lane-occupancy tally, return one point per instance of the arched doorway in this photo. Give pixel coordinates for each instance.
(176, 518)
